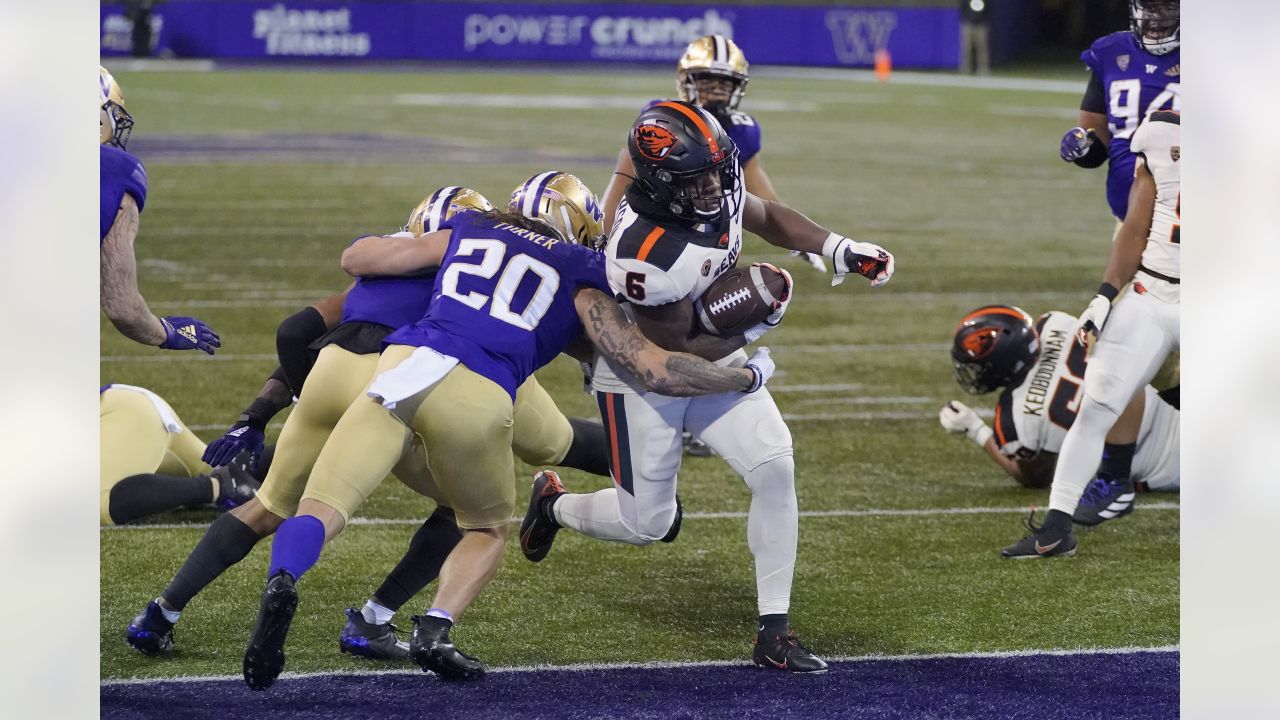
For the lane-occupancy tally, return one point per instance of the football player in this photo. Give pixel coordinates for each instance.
(680, 227)
(515, 289)
(123, 187)
(1041, 370)
(370, 310)
(712, 73)
(1130, 326)
(150, 461)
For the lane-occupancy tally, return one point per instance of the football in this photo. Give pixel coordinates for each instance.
(740, 299)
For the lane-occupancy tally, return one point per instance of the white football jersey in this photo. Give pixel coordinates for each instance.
(1158, 141)
(1036, 415)
(656, 263)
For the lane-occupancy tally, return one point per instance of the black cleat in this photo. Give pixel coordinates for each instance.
(236, 481)
(150, 633)
(539, 528)
(366, 639)
(674, 532)
(1105, 500)
(785, 653)
(432, 649)
(264, 658)
(1043, 542)
(693, 447)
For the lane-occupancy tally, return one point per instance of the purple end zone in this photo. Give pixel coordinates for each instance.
(1120, 685)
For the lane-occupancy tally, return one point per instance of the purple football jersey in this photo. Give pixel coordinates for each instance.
(390, 301)
(120, 173)
(1136, 84)
(503, 300)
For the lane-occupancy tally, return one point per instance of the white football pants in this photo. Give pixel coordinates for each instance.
(644, 432)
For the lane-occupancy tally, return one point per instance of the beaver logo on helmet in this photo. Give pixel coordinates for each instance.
(980, 344)
(654, 141)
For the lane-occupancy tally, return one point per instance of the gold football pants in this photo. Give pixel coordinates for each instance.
(135, 442)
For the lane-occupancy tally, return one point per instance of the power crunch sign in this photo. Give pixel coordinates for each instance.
(545, 32)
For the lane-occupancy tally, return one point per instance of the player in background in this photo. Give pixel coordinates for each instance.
(123, 189)
(1130, 326)
(150, 462)
(368, 311)
(1041, 370)
(680, 227)
(514, 290)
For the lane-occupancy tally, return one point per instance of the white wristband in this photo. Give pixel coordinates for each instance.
(830, 244)
(981, 435)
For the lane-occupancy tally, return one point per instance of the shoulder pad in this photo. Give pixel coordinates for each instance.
(646, 242)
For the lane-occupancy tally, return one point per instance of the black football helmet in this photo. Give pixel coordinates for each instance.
(686, 165)
(994, 347)
(1156, 24)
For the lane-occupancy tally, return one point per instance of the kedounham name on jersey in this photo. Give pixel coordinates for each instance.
(503, 299)
(120, 173)
(1136, 84)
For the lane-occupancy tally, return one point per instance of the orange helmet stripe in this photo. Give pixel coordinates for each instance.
(697, 120)
(990, 310)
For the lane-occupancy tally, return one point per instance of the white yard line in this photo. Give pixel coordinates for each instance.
(566, 102)
(926, 79)
(664, 665)
(729, 515)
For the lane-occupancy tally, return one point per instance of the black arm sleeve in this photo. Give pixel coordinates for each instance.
(1095, 98)
(292, 338)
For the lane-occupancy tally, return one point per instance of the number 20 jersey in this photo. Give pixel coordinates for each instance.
(1136, 84)
(1035, 416)
(503, 299)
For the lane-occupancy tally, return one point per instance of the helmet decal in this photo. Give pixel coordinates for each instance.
(654, 141)
(980, 344)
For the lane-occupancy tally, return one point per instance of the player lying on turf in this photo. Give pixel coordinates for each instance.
(679, 228)
(150, 462)
(1041, 370)
(515, 289)
(123, 188)
(1132, 327)
(370, 310)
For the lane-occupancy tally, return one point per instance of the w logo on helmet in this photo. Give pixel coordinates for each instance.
(654, 141)
(979, 344)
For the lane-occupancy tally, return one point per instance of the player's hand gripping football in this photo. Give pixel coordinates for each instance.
(239, 437)
(188, 333)
(1076, 144)
(762, 366)
(866, 259)
(1095, 316)
(779, 308)
(960, 419)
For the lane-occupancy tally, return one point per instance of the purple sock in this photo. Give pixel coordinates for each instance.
(296, 546)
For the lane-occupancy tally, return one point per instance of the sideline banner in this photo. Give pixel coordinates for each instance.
(540, 32)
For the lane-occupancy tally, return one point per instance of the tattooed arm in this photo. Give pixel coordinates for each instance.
(660, 371)
(121, 300)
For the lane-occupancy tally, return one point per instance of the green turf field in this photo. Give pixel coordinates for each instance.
(259, 179)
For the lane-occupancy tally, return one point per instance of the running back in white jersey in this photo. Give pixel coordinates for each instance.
(1158, 141)
(654, 264)
(1034, 416)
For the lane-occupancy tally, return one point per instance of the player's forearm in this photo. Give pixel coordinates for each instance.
(271, 399)
(712, 347)
(683, 375)
(786, 227)
(373, 255)
(135, 321)
(1126, 256)
(1005, 462)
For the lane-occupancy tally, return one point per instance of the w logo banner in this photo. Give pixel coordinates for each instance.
(856, 35)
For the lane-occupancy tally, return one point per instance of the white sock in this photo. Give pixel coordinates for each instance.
(773, 531)
(1081, 453)
(170, 615)
(376, 614)
(594, 515)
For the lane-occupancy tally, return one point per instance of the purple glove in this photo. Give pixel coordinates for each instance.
(238, 438)
(188, 333)
(1075, 144)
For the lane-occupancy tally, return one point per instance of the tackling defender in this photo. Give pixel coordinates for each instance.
(1131, 325)
(513, 291)
(123, 188)
(679, 228)
(1041, 371)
